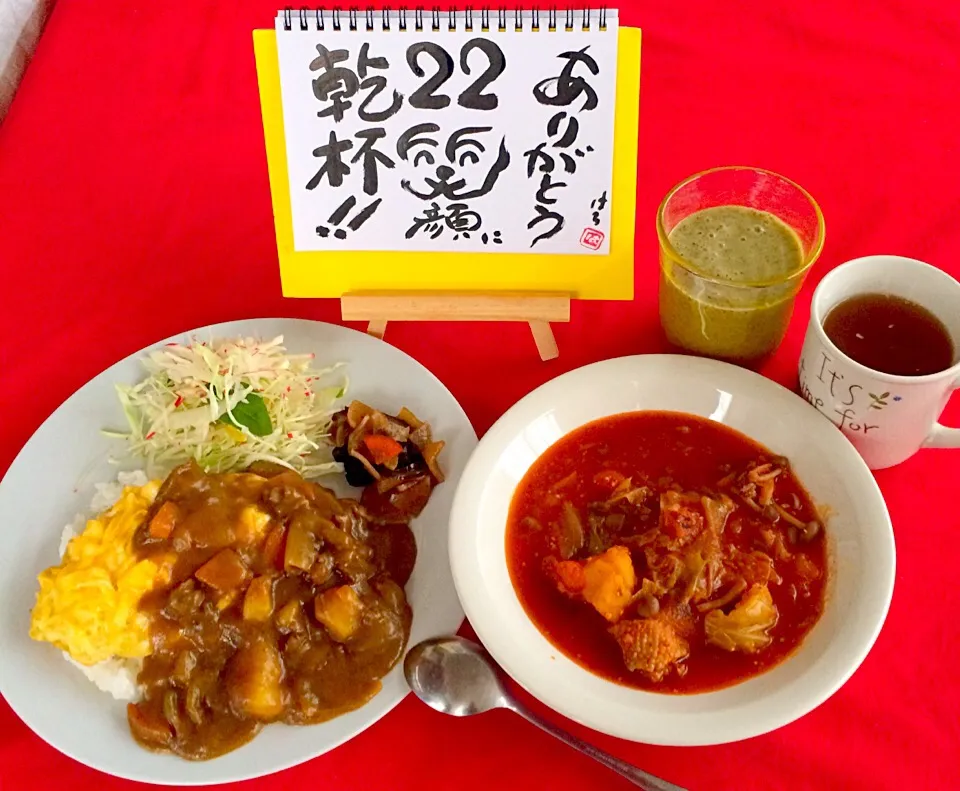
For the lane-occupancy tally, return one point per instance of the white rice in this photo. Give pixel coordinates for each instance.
(116, 676)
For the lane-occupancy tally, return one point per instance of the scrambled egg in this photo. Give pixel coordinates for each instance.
(87, 606)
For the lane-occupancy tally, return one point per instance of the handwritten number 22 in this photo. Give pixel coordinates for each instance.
(473, 97)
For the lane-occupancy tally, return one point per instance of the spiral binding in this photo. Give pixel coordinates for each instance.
(322, 19)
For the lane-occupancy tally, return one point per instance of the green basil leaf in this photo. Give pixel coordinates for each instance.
(251, 413)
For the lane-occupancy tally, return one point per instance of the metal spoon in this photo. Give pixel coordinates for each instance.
(455, 676)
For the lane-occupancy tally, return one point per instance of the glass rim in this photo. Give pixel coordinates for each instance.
(809, 258)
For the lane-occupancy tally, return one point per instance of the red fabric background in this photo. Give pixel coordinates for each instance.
(134, 204)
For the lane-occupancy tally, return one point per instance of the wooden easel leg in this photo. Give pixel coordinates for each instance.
(538, 310)
(377, 328)
(543, 337)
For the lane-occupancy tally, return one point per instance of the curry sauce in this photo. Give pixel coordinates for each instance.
(285, 604)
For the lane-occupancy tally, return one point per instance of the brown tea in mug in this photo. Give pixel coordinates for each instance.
(890, 334)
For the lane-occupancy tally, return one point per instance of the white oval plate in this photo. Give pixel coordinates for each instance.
(860, 541)
(52, 479)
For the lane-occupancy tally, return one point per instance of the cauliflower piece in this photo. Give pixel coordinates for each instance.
(650, 645)
(606, 580)
(746, 628)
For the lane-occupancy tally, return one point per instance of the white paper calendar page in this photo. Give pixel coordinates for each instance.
(449, 141)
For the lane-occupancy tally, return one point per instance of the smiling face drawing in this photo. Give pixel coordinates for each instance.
(466, 169)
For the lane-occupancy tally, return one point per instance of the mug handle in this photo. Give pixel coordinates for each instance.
(941, 436)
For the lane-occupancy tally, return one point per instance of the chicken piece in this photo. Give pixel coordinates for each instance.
(650, 646)
(355, 563)
(606, 581)
(339, 610)
(322, 571)
(681, 518)
(755, 567)
(681, 619)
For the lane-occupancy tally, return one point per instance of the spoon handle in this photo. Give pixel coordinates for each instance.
(638, 777)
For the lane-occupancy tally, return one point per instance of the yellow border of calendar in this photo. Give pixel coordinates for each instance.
(333, 274)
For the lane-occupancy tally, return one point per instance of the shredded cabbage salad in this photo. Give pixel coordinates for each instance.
(229, 403)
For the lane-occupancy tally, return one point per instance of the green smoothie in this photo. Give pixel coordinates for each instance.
(731, 294)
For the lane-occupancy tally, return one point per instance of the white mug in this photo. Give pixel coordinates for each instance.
(888, 418)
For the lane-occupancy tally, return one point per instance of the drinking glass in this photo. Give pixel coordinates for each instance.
(727, 316)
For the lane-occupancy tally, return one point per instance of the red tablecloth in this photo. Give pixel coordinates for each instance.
(134, 204)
